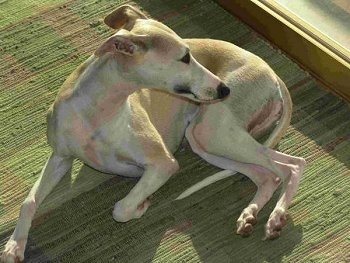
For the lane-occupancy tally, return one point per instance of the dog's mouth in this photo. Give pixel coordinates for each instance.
(183, 90)
(186, 92)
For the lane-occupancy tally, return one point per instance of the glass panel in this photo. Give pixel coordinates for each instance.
(330, 17)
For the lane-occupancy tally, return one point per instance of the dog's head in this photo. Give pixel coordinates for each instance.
(152, 55)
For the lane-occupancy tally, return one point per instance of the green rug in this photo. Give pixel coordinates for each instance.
(75, 222)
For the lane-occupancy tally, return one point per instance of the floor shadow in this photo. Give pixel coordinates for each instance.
(204, 224)
(82, 229)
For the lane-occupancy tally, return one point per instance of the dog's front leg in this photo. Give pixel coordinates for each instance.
(53, 171)
(135, 204)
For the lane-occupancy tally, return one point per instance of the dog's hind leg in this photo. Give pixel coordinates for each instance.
(135, 204)
(294, 166)
(265, 181)
(52, 173)
(266, 167)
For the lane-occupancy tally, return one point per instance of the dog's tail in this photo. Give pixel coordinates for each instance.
(271, 142)
(205, 182)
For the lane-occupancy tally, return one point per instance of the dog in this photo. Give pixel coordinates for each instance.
(128, 107)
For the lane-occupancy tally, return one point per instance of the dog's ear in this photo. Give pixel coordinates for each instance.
(124, 17)
(126, 43)
(130, 44)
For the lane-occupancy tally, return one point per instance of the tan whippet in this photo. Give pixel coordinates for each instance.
(127, 108)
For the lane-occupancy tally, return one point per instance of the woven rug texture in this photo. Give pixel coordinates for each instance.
(42, 41)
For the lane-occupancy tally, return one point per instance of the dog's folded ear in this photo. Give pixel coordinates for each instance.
(126, 43)
(129, 44)
(124, 17)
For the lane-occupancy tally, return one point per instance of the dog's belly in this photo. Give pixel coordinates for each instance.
(116, 167)
(112, 165)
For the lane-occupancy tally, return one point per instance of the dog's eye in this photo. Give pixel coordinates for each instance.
(186, 58)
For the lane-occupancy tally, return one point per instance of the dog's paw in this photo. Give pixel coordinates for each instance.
(13, 252)
(246, 221)
(124, 213)
(276, 222)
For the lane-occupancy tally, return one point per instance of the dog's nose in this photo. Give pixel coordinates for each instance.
(223, 91)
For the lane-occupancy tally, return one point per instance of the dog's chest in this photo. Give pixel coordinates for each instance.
(101, 137)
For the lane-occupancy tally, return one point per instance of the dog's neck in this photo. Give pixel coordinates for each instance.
(102, 90)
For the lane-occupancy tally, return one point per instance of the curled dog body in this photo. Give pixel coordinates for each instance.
(127, 108)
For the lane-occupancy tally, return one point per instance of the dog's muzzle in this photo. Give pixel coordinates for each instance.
(223, 91)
